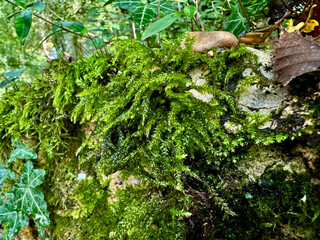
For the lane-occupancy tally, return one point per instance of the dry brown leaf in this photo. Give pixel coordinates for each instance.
(294, 56)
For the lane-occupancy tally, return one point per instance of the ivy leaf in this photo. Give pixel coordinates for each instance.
(255, 9)
(165, 6)
(160, 25)
(21, 3)
(26, 201)
(22, 151)
(236, 23)
(27, 197)
(144, 12)
(22, 24)
(13, 219)
(5, 173)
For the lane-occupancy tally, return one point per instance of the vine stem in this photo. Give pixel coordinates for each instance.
(50, 22)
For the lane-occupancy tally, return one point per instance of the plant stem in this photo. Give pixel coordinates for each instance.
(195, 21)
(245, 14)
(134, 30)
(50, 22)
(55, 14)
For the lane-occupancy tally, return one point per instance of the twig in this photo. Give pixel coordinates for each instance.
(55, 14)
(134, 30)
(201, 23)
(245, 14)
(50, 22)
(159, 8)
(275, 26)
(22, 56)
(195, 21)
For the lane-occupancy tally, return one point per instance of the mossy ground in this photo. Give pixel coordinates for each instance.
(130, 110)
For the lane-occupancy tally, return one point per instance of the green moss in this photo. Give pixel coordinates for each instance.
(279, 205)
(131, 110)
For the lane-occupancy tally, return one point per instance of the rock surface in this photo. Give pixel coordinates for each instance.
(262, 99)
(205, 41)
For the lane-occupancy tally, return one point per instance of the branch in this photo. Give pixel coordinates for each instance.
(50, 22)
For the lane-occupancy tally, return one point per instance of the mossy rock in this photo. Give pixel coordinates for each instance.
(139, 111)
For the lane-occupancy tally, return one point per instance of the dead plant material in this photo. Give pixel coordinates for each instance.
(294, 56)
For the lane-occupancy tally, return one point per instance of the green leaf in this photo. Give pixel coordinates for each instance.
(107, 34)
(5, 173)
(26, 201)
(14, 74)
(74, 26)
(107, 3)
(255, 8)
(21, 3)
(55, 28)
(22, 24)
(236, 23)
(6, 82)
(267, 225)
(144, 12)
(190, 11)
(13, 220)
(160, 25)
(11, 76)
(22, 151)
(28, 198)
(12, 15)
(98, 42)
(39, 6)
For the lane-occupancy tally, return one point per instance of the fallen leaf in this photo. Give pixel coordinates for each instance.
(294, 56)
(309, 27)
(292, 28)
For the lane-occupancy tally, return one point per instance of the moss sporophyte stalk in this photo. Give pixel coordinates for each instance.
(154, 159)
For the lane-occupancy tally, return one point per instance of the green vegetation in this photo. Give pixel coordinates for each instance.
(141, 139)
(23, 200)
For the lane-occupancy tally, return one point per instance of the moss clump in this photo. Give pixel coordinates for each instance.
(133, 110)
(279, 205)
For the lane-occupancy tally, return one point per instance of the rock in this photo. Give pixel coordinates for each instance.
(264, 158)
(205, 97)
(309, 154)
(262, 99)
(117, 181)
(205, 41)
(232, 127)
(198, 78)
(198, 75)
(265, 59)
